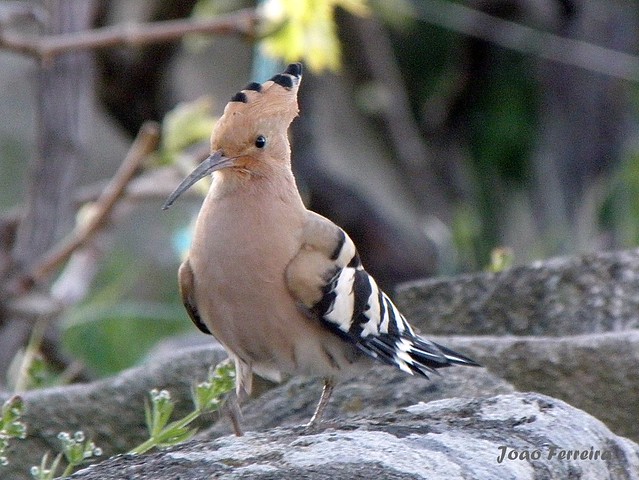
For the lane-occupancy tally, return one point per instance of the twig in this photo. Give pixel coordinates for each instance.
(153, 183)
(30, 353)
(144, 144)
(135, 34)
(523, 39)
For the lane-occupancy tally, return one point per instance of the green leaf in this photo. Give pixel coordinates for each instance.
(173, 436)
(148, 418)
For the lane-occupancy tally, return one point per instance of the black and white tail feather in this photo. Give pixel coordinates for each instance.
(356, 309)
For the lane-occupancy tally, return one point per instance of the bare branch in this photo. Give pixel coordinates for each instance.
(527, 40)
(241, 22)
(143, 145)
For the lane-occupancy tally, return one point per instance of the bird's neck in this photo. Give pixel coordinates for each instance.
(276, 183)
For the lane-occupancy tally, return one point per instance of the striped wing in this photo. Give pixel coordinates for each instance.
(328, 279)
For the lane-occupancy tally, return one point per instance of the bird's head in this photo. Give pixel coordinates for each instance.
(250, 139)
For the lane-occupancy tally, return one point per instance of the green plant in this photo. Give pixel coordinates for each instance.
(207, 397)
(10, 424)
(75, 449)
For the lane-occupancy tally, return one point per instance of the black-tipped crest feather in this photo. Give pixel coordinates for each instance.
(239, 97)
(255, 86)
(294, 69)
(285, 81)
(289, 77)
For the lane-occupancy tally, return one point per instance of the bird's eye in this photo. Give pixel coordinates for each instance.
(260, 141)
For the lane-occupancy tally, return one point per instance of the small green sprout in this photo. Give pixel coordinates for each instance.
(44, 472)
(501, 258)
(207, 397)
(75, 449)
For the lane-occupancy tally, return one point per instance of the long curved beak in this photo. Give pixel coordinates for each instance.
(216, 161)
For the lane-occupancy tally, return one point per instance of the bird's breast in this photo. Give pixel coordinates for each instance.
(240, 251)
(243, 239)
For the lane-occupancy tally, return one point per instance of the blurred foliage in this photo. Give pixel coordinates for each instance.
(397, 15)
(294, 30)
(620, 208)
(494, 118)
(305, 30)
(502, 122)
(466, 227)
(189, 123)
(113, 328)
(29, 370)
(113, 337)
(501, 258)
(211, 8)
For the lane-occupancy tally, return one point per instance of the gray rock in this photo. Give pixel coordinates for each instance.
(569, 328)
(597, 373)
(563, 296)
(378, 390)
(110, 411)
(446, 439)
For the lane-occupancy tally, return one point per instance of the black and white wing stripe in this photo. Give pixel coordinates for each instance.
(356, 309)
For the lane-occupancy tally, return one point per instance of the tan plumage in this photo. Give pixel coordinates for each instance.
(279, 286)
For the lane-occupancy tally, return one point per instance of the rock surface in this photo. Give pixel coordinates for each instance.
(379, 390)
(592, 293)
(446, 439)
(568, 327)
(111, 412)
(597, 373)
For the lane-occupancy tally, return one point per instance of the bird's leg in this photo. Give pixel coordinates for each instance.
(232, 407)
(243, 386)
(329, 384)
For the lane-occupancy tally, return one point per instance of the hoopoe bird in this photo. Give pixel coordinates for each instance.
(280, 287)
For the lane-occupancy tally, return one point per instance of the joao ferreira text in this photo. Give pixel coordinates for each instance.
(552, 451)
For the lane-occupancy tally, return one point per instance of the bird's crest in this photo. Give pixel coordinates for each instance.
(274, 99)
